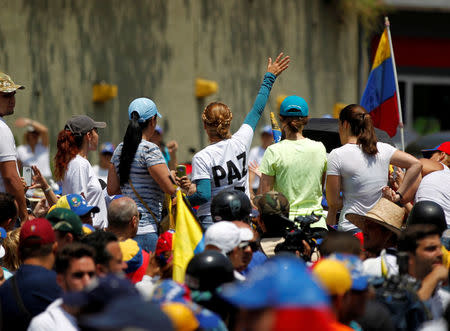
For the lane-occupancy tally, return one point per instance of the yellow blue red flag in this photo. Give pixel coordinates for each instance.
(188, 238)
(380, 96)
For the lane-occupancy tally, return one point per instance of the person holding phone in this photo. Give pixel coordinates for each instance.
(35, 150)
(223, 164)
(75, 141)
(139, 171)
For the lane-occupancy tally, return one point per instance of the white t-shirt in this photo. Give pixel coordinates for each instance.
(54, 318)
(7, 148)
(363, 177)
(101, 173)
(39, 158)
(256, 154)
(436, 187)
(80, 178)
(224, 164)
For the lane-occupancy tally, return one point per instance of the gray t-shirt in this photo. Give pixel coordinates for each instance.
(147, 155)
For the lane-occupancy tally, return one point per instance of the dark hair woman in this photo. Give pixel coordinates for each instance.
(360, 168)
(223, 164)
(138, 170)
(80, 135)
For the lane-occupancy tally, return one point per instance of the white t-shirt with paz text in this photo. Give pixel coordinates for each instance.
(80, 178)
(363, 177)
(7, 148)
(225, 164)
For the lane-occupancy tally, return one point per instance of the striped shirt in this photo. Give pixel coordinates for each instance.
(147, 155)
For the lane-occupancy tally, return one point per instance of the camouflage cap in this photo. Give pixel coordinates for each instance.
(272, 203)
(7, 85)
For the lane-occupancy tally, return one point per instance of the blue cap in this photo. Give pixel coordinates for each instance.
(107, 148)
(270, 285)
(360, 282)
(168, 290)
(145, 107)
(77, 204)
(3, 235)
(128, 312)
(266, 129)
(294, 106)
(101, 291)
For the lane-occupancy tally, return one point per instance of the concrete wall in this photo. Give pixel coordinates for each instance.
(156, 48)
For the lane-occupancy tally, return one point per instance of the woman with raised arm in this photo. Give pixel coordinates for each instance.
(138, 170)
(223, 164)
(360, 169)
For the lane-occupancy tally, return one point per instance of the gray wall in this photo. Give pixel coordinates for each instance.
(156, 48)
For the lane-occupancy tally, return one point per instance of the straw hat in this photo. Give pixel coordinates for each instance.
(385, 213)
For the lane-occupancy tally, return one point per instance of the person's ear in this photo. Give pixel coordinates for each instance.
(55, 247)
(60, 280)
(68, 237)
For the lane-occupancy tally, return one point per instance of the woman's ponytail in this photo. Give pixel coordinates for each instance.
(68, 146)
(131, 141)
(361, 126)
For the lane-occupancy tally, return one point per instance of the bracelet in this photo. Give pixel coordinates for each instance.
(401, 195)
(48, 189)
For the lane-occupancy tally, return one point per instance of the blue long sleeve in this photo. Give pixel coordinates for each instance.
(255, 113)
(203, 193)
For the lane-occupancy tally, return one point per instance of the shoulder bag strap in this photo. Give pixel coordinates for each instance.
(18, 297)
(142, 201)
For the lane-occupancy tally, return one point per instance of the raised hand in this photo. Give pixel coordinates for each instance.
(254, 167)
(279, 65)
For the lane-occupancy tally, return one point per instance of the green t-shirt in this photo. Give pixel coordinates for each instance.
(298, 167)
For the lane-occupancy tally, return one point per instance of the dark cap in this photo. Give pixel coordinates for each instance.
(82, 124)
(37, 231)
(65, 220)
(272, 203)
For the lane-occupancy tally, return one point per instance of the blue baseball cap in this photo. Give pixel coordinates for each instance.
(3, 235)
(360, 282)
(145, 107)
(107, 148)
(266, 129)
(294, 106)
(76, 203)
(270, 285)
(158, 129)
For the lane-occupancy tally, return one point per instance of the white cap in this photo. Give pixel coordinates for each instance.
(2, 251)
(226, 236)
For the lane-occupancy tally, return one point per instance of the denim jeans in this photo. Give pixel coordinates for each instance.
(147, 241)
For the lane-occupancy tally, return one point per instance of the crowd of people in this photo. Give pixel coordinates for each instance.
(91, 247)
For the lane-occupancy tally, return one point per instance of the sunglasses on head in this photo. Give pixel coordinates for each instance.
(253, 245)
(80, 274)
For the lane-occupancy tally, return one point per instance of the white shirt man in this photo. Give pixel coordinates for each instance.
(9, 175)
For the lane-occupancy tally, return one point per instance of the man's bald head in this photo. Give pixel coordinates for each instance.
(121, 212)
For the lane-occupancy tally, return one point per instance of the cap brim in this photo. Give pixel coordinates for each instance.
(12, 88)
(360, 284)
(159, 115)
(100, 125)
(81, 211)
(2, 252)
(360, 220)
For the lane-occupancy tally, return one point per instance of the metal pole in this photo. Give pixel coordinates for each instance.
(402, 133)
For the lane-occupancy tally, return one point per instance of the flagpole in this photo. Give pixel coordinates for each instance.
(402, 133)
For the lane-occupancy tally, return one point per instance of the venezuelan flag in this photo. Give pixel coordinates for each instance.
(380, 96)
(188, 238)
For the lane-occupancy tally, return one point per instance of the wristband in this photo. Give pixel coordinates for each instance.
(48, 189)
(401, 195)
